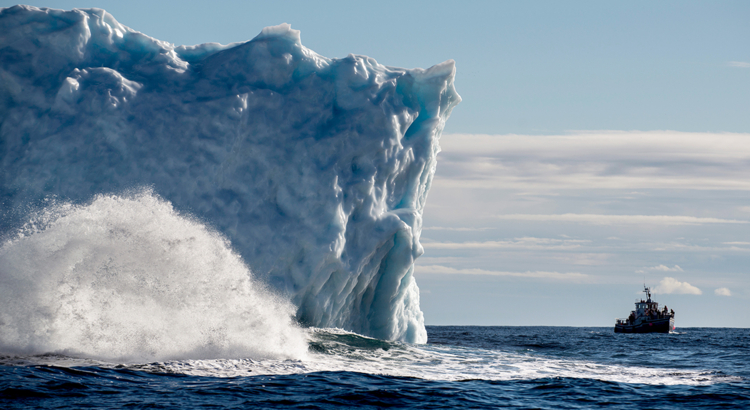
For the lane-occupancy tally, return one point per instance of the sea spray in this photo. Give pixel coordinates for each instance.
(129, 278)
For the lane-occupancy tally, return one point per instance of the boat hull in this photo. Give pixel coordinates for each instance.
(664, 325)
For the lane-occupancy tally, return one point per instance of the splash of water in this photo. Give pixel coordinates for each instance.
(129, 278)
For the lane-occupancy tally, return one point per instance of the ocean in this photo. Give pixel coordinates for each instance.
(459, 367)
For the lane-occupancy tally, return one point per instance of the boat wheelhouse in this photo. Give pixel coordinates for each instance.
(647, 317)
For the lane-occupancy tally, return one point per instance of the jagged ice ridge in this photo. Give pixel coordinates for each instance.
(316, 169)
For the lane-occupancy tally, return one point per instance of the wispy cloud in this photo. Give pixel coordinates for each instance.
(445, 270)
(662, 268)
(516, 243)
(740, 64)
(597, 159)
(688, 247)
(722, 292)
(621, 219)
(671, 285)
(447, 228)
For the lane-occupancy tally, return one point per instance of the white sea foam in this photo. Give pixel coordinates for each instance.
(346, 351)
(129, 278)
(448, 364)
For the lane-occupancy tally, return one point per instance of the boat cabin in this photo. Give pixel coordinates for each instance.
(643, 306)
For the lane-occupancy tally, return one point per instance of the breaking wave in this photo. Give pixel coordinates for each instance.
(129, 278)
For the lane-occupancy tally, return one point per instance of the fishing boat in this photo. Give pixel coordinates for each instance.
(647, 317)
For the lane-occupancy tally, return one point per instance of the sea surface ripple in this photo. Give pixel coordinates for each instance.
(461, 366)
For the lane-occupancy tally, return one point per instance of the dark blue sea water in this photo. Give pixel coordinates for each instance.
(460, 367)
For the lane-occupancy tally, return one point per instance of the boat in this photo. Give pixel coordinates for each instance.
(647, 317)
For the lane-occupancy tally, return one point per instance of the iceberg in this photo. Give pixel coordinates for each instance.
(316, 169)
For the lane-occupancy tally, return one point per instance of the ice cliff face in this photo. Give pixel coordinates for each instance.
(316, 169)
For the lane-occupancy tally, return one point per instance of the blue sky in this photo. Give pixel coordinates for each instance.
(598, 145)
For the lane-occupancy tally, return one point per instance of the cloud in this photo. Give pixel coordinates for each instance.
(447, 228)
(445, 270)
(671, 285)
(662, 268)
(516, 243)
(621, 219)
(723, 292)
(687, 247)
(740, 64)
(676, 268)
(632, 160)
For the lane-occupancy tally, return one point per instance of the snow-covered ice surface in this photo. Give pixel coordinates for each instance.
(316, 169)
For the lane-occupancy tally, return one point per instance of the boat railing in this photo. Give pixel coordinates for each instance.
(620, 321)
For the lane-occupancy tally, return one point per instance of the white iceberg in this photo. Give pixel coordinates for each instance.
(316, 169)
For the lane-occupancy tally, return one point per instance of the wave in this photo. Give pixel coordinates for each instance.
(128, 278)
(336, 350)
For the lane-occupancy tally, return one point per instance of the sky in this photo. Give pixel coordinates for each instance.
(599, 145)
